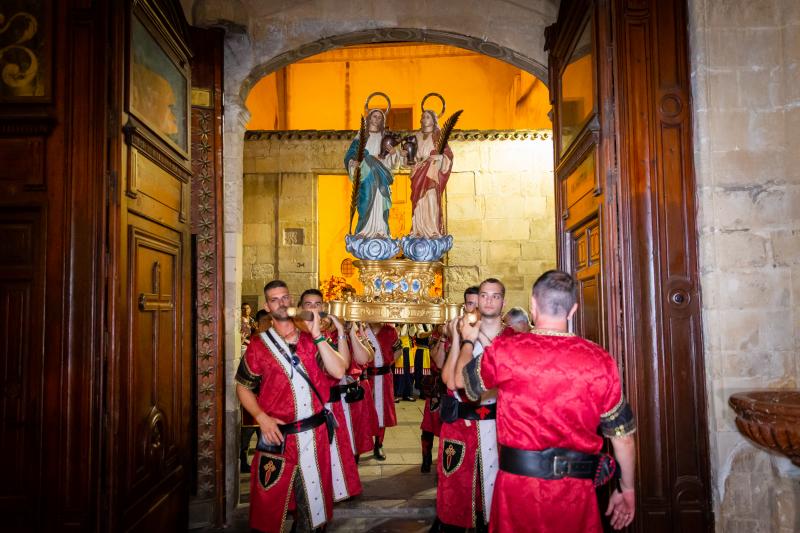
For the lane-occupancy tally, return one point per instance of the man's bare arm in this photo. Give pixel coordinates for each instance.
(362, 352)
(334, 364)
(437, 352)
(622, 504)
(343, 348)
(469, 332)
(449, 368)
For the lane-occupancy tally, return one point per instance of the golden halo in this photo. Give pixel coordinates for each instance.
(388, 104)
(437, 95)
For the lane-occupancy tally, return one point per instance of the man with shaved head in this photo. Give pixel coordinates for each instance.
(554, 391)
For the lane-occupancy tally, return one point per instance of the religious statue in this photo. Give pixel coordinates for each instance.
(429, 176)
(369, 162)
(433, 162)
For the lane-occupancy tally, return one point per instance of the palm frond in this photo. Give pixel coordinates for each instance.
(447, 129)
(362, 145)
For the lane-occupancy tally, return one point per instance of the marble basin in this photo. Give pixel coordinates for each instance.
(770, 418)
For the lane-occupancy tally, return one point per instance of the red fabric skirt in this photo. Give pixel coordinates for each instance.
(389, 415)
(346, 454)
(365, 420)
(431, 421)
(271, 489)
(526, 505)
(457, 493)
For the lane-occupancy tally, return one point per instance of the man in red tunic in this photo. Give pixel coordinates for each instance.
(431, 389)
(468, 443)
(279, 382)
(385, 342)
(554, 390)
(362, 412)
(344, 471)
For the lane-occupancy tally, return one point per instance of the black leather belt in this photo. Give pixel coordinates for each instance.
(298, 426)
(363, 377)
(338, 390)
(379, 370)
(552, 463)
(480, 412)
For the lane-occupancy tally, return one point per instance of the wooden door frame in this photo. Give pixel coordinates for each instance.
(651, 289)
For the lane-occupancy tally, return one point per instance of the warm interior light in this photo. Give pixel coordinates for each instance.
(327, 91)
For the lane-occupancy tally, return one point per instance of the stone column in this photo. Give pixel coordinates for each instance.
(236, 117)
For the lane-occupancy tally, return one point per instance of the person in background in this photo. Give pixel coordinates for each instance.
(247, 324)
(517, 319)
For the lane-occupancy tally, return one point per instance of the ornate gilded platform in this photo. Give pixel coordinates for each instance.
(396, 290)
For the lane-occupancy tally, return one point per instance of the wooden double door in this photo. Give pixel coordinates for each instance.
(619, 78)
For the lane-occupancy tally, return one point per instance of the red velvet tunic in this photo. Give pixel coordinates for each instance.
(272, 476)
(458, 497)
(431, 421)
(363, 415)
(552, 390)
(388, 341)
(344, 471)
(349, 484)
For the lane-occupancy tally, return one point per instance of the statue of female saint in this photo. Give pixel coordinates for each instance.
(374, 188)
(429, 176)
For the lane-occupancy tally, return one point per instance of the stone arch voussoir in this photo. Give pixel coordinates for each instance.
(387, 35)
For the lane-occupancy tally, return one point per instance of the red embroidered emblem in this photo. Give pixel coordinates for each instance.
(483, 412)
(452, 455)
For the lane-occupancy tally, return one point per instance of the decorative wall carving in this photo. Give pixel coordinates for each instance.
(347, 135)
(207, 280)
(25, 62)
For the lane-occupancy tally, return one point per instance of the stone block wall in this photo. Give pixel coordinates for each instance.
(746, 87)
(499, 209)
(501, 213)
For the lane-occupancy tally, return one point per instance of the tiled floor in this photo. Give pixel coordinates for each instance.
(396, 498)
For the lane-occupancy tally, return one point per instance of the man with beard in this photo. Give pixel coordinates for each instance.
(555, 390)
(291, 469)
(467, 442)
(344, 471)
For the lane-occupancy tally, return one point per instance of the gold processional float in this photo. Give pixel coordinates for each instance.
(398, 275)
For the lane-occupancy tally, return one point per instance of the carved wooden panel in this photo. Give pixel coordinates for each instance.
(581, 200)
(23, 163)
(586, 268)
(22, 313)
(154, 373)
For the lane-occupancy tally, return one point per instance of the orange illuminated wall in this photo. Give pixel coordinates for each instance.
(327, 91)
(333, 193)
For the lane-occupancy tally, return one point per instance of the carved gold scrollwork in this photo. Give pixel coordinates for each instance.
(396, 290)
(18, 63)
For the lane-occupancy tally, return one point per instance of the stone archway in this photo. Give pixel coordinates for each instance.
(494, 50)
(258, 43)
